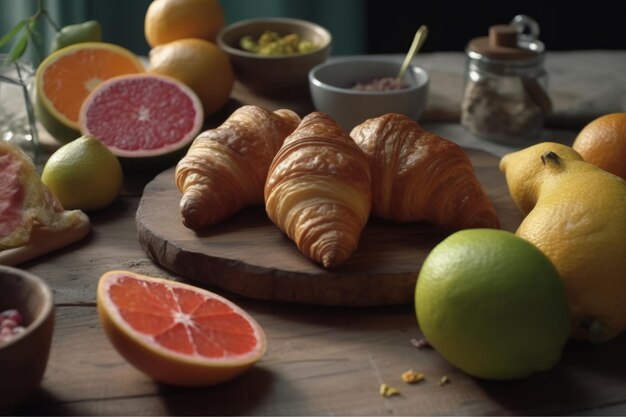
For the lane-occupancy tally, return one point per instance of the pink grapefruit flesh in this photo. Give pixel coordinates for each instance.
(142, 115)
(177, 333)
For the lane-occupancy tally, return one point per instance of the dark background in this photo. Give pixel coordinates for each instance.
(563, 25)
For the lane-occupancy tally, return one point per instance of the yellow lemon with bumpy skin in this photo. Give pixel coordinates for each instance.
(576, 214)
(83, 174)
(492, 304)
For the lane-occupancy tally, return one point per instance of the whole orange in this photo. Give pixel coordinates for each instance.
(602, 143)
(199, 64)
(170, 20)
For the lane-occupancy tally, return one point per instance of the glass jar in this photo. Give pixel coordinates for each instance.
(17, 117)
(505, 97)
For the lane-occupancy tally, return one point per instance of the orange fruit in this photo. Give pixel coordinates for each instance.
(170, 20)
(200, 64)
(177, 333)
(602, 142)
(65, 78)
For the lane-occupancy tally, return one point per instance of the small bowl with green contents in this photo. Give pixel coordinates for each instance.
(273, 56)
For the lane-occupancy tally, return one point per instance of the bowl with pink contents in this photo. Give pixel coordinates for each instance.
(26, 327)
(353, 89)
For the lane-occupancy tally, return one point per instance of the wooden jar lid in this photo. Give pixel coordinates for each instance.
(502, 43)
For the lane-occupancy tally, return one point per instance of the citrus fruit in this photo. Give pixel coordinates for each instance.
(200, 64)
(170, 20)
(83, 174)
(139, 116)
(177, 333)
(66, 77)
(89, 31)
(492, 304)
(602, 142)
(576, 214)
(27, 206)
(521, 176)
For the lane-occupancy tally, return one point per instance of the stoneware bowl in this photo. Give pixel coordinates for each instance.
(24, 357)
(281, 75)
(331, 84)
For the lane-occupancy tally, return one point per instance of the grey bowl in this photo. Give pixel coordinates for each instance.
(274, 75)
(331, 89)
(24, 358)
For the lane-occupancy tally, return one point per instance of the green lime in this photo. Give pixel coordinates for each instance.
(492, 304)
(89, 31)
(83, 174)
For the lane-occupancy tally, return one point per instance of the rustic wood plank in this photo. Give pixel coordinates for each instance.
(320, 361)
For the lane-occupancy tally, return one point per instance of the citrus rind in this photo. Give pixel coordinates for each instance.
(165, 365)
(59, 125)
(87, 127)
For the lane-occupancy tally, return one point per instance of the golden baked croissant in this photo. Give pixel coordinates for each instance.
(419, 176)
(225, 168)
(318, 190)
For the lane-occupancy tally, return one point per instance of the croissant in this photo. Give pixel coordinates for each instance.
(318, 190)
(419, 176)
(225, 168)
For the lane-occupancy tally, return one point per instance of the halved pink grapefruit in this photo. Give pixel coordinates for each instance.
(177, 333)
(139, 116)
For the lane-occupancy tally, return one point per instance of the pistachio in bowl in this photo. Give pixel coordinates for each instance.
(273, 56)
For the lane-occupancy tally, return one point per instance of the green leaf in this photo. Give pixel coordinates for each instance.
(14, 30)
(19, 47)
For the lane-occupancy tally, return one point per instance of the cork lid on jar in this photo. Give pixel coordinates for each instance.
(515, 41)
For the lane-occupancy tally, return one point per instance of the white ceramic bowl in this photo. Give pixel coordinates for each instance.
(331, 89)
(24, 357)
(274, 75)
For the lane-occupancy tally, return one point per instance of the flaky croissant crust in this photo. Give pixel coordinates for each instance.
(419, 176)
(225, 168)
(318, 190)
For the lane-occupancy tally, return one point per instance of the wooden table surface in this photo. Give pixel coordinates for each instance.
(320, 360)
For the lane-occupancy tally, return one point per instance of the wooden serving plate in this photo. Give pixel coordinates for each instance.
(248, 255)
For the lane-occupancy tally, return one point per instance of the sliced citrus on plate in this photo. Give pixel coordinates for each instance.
(65, 78)
(142, 115)
(177, 333)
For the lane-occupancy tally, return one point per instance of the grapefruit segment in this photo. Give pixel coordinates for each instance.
(177, 333)
(142, 115)
(65, 78)
(25, 202)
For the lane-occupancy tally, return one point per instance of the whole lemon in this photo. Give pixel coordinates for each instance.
(83, 174)
(89, 31)
(199, 64)
(171, 20)
(492, 304)
(576, 214)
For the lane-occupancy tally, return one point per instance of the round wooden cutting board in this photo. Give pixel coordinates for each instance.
(248, 255)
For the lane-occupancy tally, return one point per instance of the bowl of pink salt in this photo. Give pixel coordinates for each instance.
(26, 327)
(355, 88)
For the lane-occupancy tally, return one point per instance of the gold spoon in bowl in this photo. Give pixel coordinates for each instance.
(418, 41)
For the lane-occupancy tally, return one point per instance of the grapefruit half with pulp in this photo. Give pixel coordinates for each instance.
(65, 78)
(177, 333)
(139, 116)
